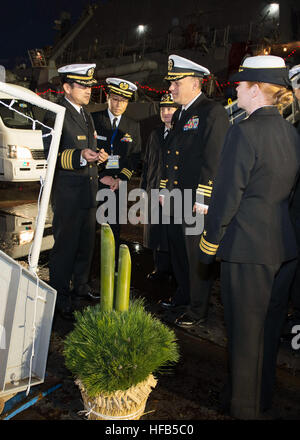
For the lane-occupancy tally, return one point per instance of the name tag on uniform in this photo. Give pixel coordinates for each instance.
(191, 124)
(81, 138)
(102, 138)
(112, 162)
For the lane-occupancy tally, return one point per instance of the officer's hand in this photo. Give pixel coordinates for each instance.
(115, 184)
(200, 209)
(103, 156)
(89, 155)
(107, 180)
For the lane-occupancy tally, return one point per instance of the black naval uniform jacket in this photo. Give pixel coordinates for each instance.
(74, 183)
(248, 218)
(126, 144)
(152, 164)
(74, 203)
(193, 148)
(153, 159)
(297, 125)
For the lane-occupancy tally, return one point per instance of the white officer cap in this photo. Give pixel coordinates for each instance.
(121, 87)
(294, 75)
(179, 67)
(79, 73)
(263, 68)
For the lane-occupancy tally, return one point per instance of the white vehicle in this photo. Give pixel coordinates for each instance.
(17, 226)
(22, 157)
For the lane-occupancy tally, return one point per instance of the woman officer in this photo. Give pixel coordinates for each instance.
(248, 227)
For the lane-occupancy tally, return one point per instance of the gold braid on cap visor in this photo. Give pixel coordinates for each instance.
(80, 77)
(177, 75)
(125, 93)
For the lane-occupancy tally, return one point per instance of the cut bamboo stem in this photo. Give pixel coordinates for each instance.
(107, 268)
(123, 282)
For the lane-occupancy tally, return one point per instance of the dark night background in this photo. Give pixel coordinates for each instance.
(30, 24)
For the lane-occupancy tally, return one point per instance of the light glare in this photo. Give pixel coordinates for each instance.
(274, 8)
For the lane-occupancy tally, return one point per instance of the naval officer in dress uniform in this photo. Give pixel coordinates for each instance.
(190, 163)
(74, 190)
(154, 236)
(120, 137)
(294, 318)
(248, 226)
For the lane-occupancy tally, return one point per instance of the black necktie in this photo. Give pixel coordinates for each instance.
(166, 133)
(83, 115)
(114, 126)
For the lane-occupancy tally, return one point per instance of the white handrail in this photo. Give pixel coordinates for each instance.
(29, 96)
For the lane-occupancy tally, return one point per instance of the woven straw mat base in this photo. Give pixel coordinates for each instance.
(120, 405)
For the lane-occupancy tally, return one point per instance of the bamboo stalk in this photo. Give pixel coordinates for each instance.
(115, 289)
(123, 282)
(107, 268)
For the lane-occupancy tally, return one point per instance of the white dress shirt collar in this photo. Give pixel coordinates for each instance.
(185, 107)
(77, 107)
(112, 117)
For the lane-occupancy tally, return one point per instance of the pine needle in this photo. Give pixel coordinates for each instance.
(110, 351)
